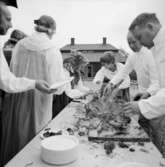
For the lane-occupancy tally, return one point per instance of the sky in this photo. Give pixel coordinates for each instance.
(88, 21)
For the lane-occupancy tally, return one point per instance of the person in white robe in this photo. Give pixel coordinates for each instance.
(147, 28)
(34, 57)
(143, 63)
(110, 68)
(8, 81)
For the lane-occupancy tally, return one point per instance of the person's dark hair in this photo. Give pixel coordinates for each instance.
(108, 58)
(143, 19)
(68, 60)
(78, 59)
(17, 35)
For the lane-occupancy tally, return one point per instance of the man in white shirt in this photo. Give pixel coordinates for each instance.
(8, 82)
(148, 30)
(147, 77)
(144, 65)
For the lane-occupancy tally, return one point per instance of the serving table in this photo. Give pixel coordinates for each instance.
(91, 154)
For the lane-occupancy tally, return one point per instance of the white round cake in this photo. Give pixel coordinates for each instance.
(59, 150)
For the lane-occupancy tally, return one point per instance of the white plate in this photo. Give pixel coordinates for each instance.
(59, 84)
(132, 164)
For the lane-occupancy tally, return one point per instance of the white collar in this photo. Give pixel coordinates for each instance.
(141, 52)
(105, 69)
(143, 49)
(40, 35)
(37, 42)
(160, 37)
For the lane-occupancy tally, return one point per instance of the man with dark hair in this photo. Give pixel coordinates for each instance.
(143, 19)
(145, 28)
(148, 30)
(143, 63)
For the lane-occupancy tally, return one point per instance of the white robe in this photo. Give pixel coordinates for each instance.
(8, 81)
(103, 72)
(154, 105)
(34, 57)
(144, 65)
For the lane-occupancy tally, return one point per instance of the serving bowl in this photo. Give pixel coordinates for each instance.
(59, 150)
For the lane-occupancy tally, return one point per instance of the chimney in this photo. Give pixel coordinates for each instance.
(104, 40)
(72, 41)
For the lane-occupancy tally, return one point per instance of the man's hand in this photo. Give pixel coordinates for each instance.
(131, 108)
(90, 92)
(139, 96)
(111, 87)
(98, 82)
(44, 87)
(145, 95)
(108, 89)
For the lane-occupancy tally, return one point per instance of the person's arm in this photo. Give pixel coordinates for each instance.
(129, 66)
(10, 83)
(154, 81)
(55, 66)
(154, 106)
(99, 77)
(126, 81)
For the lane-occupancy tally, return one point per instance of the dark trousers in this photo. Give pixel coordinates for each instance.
(145, 124)
(2, 95)
(59, 103)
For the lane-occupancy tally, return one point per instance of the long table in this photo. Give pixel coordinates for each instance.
(90, 154)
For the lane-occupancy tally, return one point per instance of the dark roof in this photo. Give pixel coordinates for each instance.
(88, 47)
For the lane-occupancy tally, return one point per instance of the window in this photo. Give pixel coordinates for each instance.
(90, 71)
